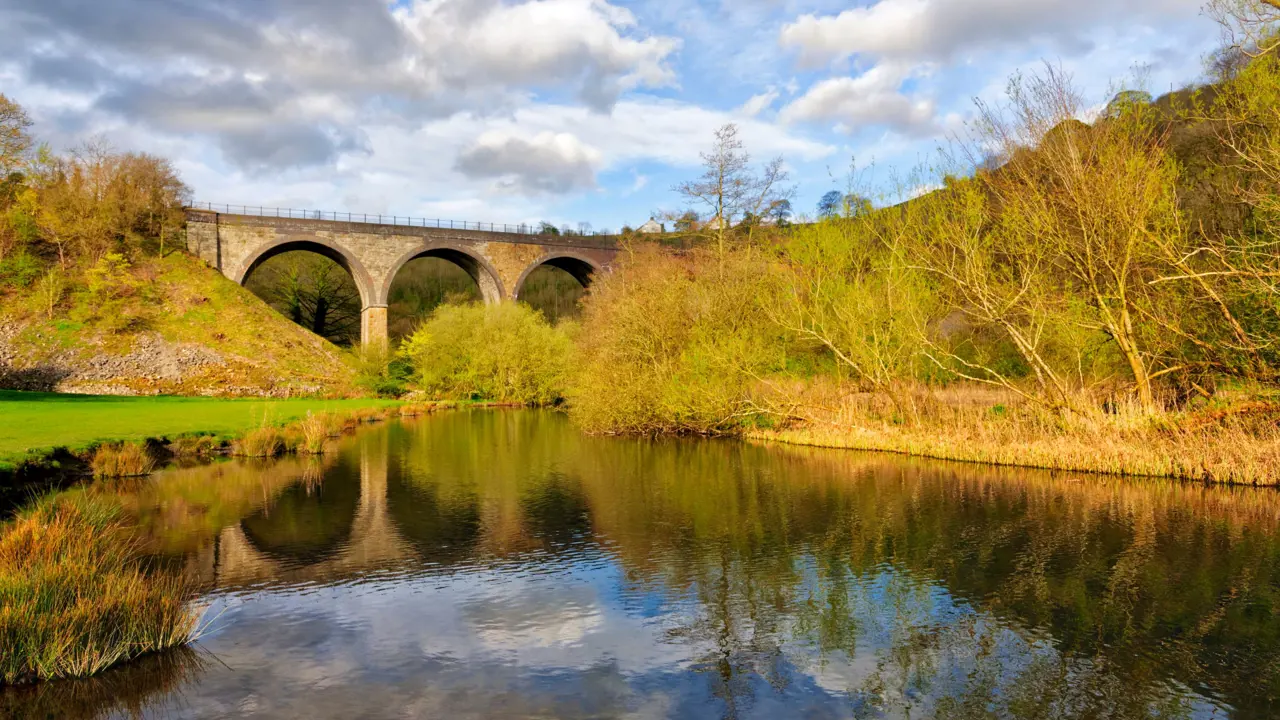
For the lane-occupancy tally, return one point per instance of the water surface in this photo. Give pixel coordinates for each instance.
(501, 565)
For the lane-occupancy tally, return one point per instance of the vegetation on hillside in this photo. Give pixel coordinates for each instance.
(1109, 283)
(96, 296)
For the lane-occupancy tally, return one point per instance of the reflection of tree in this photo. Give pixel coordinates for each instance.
(492, 476)
(1137, 584)
(554, 509)
(442, 525)
(738, 619)
(178, 511)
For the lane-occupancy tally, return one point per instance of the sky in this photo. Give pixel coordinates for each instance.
(567, 111)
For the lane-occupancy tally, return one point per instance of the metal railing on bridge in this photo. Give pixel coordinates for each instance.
(402, 220)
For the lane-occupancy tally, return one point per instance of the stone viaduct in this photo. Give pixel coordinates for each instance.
(374, 251)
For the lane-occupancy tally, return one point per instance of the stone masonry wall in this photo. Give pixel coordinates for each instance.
(373, 254)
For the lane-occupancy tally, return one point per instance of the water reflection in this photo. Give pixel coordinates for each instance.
(498, 564)
(311, 520)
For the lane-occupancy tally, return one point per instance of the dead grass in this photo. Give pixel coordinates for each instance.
(74, 597)
(1233, 445)
(122, 460)
(315, 431)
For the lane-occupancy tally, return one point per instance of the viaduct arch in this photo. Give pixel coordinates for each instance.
(373, 253)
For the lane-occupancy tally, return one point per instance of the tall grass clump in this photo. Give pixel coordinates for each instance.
(315, 430)
(122, 460)
(74, 596)
(503, 353)
(264, 442)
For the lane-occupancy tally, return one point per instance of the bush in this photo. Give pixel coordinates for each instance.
(20, 269)
(503, 353)
(675, 344)
(380, 373)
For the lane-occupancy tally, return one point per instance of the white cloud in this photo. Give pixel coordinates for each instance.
(870, 99)
(758, 103)
(463, 43)
(295, 83)
(925, 30)
(554, 163)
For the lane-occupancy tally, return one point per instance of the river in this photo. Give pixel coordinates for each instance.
(499, 564)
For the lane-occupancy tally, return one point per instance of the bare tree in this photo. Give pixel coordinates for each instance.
(15, 142)
(1250, 27)
(730, 190)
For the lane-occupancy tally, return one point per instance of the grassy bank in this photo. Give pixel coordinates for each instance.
(37, 423)
(1229, 443)
(74, 596)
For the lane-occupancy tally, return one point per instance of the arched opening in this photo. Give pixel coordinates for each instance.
(442, 522)
(556, 287)
(313, 285)
(308, 522)
(429, 278)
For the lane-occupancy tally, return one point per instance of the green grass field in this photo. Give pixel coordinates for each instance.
(32, 424)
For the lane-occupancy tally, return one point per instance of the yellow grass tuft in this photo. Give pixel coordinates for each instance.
(74, 597)
(315, 431)
(122, 460)
(263, 442)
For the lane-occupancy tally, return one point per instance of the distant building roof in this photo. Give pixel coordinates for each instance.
(653, 226)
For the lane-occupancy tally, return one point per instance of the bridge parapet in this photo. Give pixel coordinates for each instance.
(373, 253)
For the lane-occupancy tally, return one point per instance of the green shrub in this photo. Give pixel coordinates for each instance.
(675, 344)
(20, 269)
(381, 373)
(502, 353)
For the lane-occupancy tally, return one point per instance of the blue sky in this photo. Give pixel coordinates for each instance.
(560, 110)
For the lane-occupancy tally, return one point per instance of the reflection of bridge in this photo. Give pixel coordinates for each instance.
(373, 253)
(235, 559)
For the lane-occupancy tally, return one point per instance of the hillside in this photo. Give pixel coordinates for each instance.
(160, 326)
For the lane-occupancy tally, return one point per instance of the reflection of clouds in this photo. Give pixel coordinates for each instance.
(539, 621)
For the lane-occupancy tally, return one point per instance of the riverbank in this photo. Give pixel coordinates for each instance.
(76, 593)
(1233, 444)
(38, 424)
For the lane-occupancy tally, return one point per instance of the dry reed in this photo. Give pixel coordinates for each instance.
(1225, 447)
(315, 431)
(263, 442)
(74, 596)
(122, 460)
